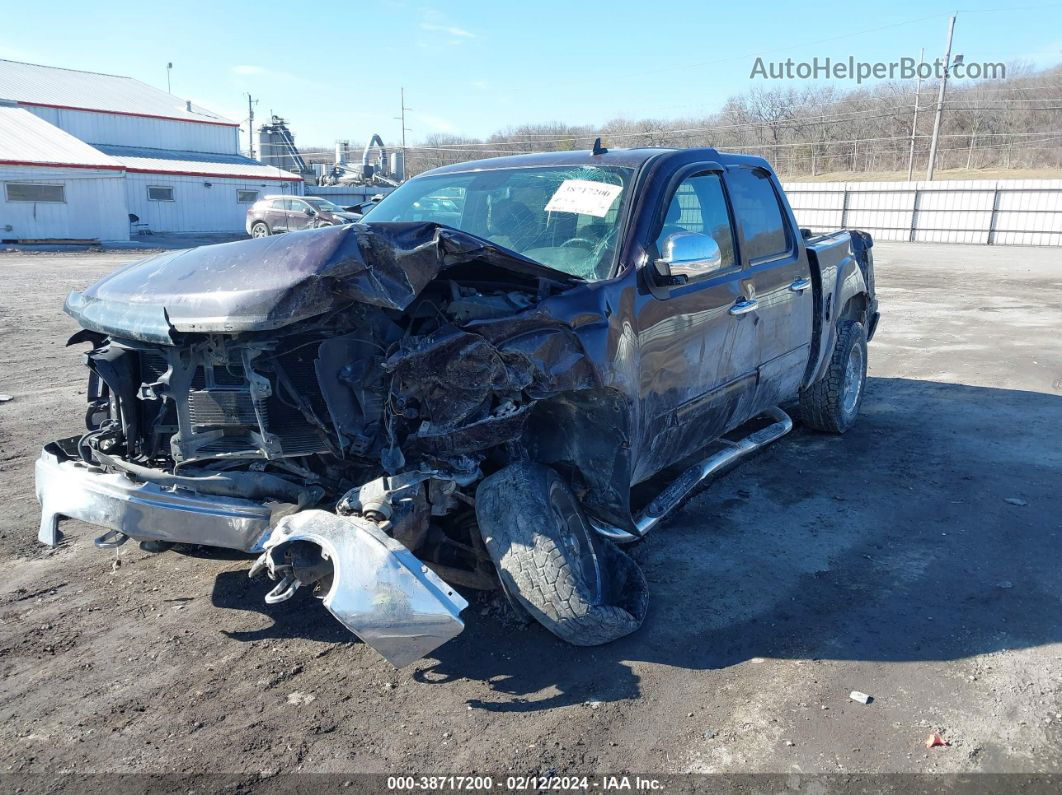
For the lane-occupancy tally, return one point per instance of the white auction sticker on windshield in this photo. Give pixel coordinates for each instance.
(584, 197)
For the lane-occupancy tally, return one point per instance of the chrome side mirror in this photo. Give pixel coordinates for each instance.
(688, 255)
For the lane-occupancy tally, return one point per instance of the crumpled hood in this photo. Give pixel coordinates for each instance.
(267, 283)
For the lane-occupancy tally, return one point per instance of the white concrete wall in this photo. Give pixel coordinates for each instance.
(111, 128)
(94, 207)
(995, 212)
(197, 208)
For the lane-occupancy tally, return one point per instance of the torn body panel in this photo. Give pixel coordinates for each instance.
(378, 589)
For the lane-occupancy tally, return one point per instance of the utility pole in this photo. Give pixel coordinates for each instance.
(250, 123)
(940, 102)
(914, 121)
(169, 67)
(405, 129)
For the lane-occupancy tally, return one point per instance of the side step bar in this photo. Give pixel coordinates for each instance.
(668, 499)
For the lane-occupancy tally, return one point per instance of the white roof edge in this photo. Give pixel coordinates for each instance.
(56, 86)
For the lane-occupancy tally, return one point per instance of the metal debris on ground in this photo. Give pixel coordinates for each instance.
(862, 698)
(934, 740)
(1015, 501)
(5, 398)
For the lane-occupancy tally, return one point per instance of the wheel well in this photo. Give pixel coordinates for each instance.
(585, 435)
(854, 309)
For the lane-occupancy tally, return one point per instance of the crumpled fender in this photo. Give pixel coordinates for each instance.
(587, 433)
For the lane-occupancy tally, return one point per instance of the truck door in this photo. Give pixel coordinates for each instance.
(780, 278)
(696, 345)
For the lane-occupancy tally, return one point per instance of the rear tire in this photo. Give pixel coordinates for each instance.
(832, 403)
(580, 587)
(260, 229)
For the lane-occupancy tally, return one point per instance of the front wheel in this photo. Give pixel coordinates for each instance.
(832, 403)
(260, 229)
(580, 587)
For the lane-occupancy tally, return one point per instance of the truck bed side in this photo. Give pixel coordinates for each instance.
(842, 267)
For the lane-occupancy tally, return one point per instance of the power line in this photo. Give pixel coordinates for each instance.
(835, 118)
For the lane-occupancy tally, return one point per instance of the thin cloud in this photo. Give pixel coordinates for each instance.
(451, 30)
(244, 71)
(436, 123)
(443, 31)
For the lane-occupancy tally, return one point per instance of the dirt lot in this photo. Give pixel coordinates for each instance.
(915, 559)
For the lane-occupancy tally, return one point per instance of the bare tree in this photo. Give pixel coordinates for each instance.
(820, 129)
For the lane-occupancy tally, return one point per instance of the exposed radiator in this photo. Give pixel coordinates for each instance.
(223, 408)
(219, 400)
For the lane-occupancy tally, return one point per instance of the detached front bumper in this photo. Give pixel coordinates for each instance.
(380, 591)
(68, 487)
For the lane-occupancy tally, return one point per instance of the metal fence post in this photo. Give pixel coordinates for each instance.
(844, 208)
(994, 216)
(914, 213)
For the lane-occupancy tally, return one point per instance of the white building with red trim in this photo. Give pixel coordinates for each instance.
(85, 155)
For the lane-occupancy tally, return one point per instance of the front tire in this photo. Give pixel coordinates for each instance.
(580, 587)
(832, 403)
(260, 229)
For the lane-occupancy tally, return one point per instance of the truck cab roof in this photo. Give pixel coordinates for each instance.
(628, 158)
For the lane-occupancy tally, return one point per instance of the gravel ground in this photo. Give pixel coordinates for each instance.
(915, 559)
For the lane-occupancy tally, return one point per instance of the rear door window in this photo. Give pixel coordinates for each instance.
(759, 214)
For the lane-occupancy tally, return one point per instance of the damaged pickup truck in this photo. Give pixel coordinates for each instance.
(509, 369)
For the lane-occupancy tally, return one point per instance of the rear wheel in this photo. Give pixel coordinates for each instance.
(260, 229)
(832, 403)
(580, 587)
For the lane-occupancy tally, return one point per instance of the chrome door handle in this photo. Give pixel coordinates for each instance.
(800, 285)
(743, 306)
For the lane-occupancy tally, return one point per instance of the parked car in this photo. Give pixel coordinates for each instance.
(387, 411)
(275, 214)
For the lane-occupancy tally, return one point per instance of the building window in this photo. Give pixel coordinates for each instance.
(160, 193)
(35, 192)
(246, 196)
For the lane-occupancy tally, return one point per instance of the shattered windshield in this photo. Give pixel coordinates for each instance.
(566, 217)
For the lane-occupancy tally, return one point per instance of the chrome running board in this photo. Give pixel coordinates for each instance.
(668, 499)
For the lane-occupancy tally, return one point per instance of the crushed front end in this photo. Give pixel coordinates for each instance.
(328, 399)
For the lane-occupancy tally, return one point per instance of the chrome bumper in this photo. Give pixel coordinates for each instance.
(67, 487)
(380, 591)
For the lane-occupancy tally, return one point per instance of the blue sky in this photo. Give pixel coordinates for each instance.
(472, 67)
